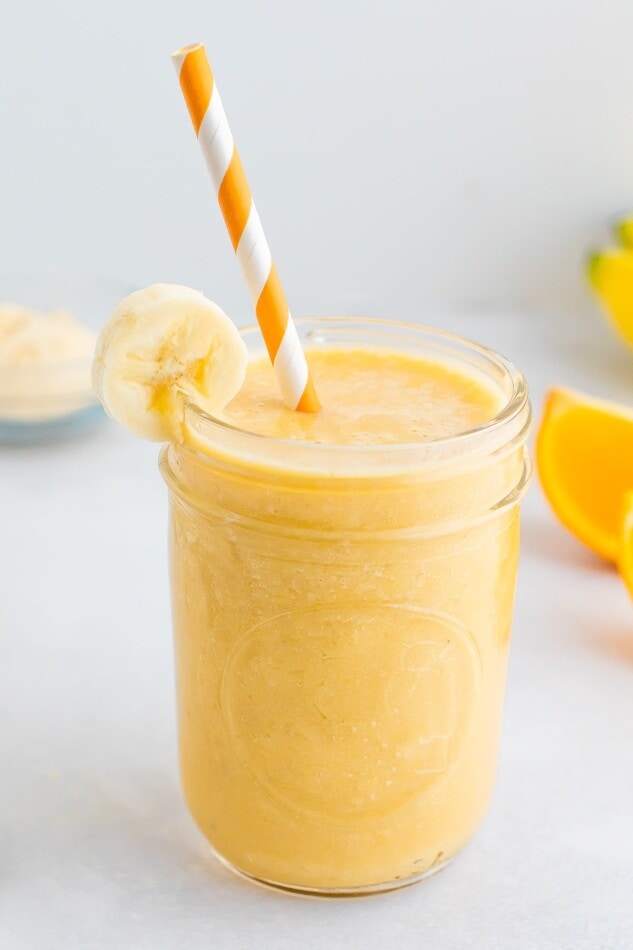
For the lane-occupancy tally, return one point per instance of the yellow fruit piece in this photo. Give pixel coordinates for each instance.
(623, 230)
(610, 273)
(584, 455)
(625, 562)
(164, 347)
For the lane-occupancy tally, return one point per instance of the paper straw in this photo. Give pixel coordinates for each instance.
(245, 228)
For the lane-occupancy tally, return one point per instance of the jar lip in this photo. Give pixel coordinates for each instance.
(513, 409)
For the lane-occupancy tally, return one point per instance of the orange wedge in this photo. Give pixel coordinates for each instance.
(625, 563)
(584, 456)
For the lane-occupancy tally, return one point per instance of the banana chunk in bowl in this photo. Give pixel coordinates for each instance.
(45, 358)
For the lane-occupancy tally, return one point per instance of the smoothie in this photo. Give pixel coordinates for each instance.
(342, 588)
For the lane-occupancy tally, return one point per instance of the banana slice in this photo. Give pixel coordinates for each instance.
(163, 347)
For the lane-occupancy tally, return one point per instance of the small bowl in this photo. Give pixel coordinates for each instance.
(56, 399)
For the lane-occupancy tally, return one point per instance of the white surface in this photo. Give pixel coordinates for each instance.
(96, 849)
(472, 149)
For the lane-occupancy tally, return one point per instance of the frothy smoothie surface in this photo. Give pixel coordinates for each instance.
(369, 397)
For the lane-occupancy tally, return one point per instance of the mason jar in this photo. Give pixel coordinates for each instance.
(342, 618)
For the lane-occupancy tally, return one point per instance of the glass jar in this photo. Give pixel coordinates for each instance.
(341, 620)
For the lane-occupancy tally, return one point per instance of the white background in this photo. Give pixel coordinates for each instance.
(407, 157)
(448, 161)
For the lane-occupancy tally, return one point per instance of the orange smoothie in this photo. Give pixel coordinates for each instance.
(342, 588)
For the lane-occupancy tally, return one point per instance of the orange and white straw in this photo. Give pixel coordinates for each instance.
(245, 228)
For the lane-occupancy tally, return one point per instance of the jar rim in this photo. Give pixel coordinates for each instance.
(509, 425)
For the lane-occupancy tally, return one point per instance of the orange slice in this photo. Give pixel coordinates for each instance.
(584, 455)
(625, 563)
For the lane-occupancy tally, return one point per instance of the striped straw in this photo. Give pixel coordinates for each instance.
(245, 228)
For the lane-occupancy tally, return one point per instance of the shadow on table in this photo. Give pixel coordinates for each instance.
(128, 836)
(543, 538)
(598, 622)
(615, 643)
(146, 824)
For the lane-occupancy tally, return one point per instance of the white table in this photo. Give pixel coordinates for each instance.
(96, 847)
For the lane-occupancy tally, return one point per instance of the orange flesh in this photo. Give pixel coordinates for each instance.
(585, 461)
